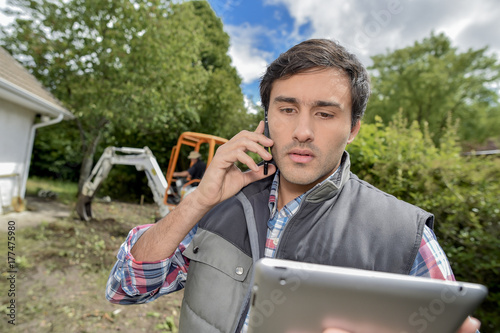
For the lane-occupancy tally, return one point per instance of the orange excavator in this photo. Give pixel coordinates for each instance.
(144, 160)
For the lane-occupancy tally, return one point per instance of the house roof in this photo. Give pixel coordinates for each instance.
(19, 86)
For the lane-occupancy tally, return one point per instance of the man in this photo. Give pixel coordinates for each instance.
(197, 168)
(310, 207)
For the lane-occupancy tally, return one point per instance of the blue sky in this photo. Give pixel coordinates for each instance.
(261, 29)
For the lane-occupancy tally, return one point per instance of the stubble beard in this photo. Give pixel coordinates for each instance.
(303, 174)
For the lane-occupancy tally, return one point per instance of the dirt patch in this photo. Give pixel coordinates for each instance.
(38, 210)
(62, 268)
(69, 301)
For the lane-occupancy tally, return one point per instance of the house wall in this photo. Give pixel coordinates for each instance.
(15, 127)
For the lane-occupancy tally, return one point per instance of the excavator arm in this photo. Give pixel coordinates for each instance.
(143, 159)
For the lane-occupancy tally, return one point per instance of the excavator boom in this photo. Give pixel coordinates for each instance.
(142, 158)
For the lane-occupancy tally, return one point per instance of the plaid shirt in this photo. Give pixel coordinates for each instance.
(133, 282)
(278, 219)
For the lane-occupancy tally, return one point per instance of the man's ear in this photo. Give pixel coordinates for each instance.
(354, 131)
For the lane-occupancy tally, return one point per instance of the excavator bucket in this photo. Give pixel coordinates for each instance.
(84, 207)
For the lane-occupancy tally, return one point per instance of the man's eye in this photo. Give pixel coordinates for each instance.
(325, 115)
(287, 110)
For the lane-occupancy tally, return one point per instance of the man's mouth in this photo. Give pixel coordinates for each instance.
(301, 156)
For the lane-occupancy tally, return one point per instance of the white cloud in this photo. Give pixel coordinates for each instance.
(249, 60)
(327, 18)
(476, 27)
(250, 105)
(368, 27)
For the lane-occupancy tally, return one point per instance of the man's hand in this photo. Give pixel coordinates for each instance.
(470, 325)
(223, 179)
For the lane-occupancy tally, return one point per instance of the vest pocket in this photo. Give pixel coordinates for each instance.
(217, 282)
(211, 249)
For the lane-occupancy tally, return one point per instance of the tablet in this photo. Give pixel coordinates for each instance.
(296, 297)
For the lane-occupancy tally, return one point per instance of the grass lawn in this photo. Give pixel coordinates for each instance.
(65, 191)
(63, 266)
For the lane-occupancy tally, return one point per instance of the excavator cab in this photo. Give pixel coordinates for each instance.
(195, 140)
(144, 160)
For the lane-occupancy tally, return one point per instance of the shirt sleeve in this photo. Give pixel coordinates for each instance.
(431, 261)
(135, 282)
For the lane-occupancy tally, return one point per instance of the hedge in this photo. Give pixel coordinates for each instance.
(462, 192)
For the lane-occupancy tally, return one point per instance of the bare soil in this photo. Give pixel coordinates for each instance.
(62, 269)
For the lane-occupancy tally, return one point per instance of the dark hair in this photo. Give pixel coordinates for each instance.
(319, 53)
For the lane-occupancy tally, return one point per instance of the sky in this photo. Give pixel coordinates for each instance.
(260, 30)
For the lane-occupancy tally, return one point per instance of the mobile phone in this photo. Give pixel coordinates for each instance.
(266, 133)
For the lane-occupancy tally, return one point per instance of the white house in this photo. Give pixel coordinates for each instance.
(22, 98)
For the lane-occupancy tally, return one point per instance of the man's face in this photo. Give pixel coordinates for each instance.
(310, 124)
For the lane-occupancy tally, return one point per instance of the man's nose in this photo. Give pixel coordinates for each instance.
(304, 131)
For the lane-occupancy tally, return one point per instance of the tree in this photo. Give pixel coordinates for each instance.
(127, 69)
(430, 80)
(461, 192)
(222, 91)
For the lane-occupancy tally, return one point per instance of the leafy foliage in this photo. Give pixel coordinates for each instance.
(462, 193)
(134, 73)
(57, 152)
(431, 80)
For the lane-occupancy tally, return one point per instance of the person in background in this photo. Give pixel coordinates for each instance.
(196, 170)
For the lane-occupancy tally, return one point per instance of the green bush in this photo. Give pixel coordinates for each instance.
(462, 192)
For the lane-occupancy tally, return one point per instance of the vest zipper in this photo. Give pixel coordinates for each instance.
(302, 202)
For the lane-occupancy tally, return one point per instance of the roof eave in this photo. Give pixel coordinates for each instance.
(20, 96)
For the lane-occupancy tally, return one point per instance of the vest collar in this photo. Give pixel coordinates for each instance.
(329, 188)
